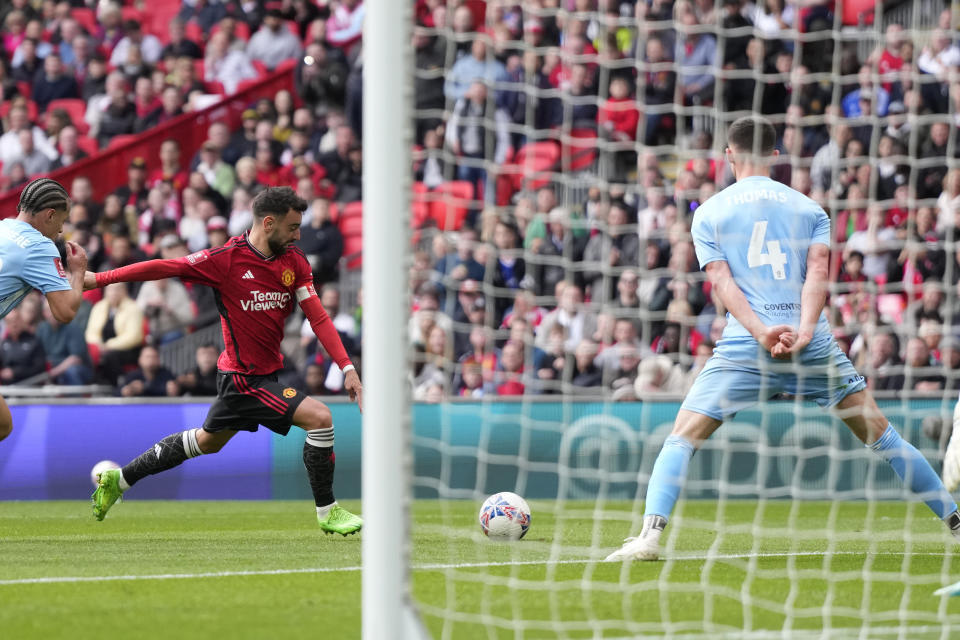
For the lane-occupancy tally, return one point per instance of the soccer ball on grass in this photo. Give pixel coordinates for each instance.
(505, 516)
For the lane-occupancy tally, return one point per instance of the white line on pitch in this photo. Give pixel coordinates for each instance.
(431, 567)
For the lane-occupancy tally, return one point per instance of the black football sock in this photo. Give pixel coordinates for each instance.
(166, 454)
(319, 460)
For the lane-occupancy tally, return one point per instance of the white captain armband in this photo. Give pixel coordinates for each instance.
(305, 292)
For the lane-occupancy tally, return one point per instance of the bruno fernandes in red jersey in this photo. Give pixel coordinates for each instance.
(257, 277)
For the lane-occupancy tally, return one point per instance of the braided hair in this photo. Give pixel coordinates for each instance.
(41, 194)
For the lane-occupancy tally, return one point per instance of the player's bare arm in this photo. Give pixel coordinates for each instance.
(736, 303)
(812, 298)
(64, 304)
(327, 334)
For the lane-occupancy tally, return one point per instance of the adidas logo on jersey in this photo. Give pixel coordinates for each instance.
(248, 275)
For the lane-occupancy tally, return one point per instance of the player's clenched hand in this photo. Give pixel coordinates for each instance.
(76, 258)
(771, 335)
(801, 340)
(89, 281)
(351, 382)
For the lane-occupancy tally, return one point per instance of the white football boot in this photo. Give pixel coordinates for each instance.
(646, 546)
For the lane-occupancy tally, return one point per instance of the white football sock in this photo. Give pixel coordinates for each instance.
(323, 511)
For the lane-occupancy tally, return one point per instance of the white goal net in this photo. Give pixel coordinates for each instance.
(559, 313)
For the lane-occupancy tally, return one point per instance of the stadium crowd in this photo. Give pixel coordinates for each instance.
(583, 282)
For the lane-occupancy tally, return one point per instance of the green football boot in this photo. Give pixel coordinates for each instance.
(107, 493)
(341, 521)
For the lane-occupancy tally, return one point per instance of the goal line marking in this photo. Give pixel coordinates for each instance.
(432, 567)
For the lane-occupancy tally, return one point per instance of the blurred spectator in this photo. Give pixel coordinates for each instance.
(30, 158)
(21, 352)
(434, 363)
(587, 376)
(920, 375)
(471, 70)
(178, 45)
(10, 147)
(560, 243)
(321, 79)
(217, 232)
(509, 379)
(218, 174)
(878, 96)
(167, 307)
(150, 379)
(149, 45)
(467, 134)
(570, 314)
(135, 192)
(205, 13)
(509, 270)
(883, 362)
(345, 26)
(115, 328)
(67, 356)
(201, 380)
(54, 83)
(274, 42)
(659, 374)
(226, 65)
(170, 169)
(616, 246)
(119, 116)
(70, 152)
(696, 54)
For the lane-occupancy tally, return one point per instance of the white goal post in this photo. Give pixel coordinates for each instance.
(387, 607)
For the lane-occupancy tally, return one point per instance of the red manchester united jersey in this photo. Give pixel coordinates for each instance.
(255, 294)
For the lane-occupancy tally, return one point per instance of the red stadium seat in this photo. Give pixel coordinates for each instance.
(532, 162)
(131, 13)
(25, 89)
(579, 151)
(215, 87)
(260, 67)
(88, 145)
(75, 108)
(350, 222)
(86, 18)
(419, 207)
(449, 204)
(353, 249)
(193, 31)
(31, 109)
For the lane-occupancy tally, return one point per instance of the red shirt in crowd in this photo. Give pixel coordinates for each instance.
(622, 113)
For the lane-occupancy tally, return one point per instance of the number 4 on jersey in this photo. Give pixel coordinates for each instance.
(774, 257)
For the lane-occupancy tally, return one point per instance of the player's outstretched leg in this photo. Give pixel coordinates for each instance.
(861, 414)
(666, 480)
(166, 454)
(319, 459)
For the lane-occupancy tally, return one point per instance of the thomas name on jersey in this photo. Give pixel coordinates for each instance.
(266, 301)
(754, 196)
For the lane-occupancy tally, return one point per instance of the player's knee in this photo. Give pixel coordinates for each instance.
(6, 428)
(320, 418)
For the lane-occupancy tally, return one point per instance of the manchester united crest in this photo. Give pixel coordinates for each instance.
(287, 277)
(289, 392)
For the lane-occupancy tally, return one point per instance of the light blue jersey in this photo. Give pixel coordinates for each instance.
(763, 229)
(28, 260)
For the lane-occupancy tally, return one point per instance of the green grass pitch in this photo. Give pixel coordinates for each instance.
(738, 565)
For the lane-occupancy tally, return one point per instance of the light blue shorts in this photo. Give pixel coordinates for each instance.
(742, 374)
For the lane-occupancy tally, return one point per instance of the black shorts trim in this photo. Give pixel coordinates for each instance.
(246, 402)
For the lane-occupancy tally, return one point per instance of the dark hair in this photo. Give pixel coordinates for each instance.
(41, 194)
(277, 201)
(752, 134)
